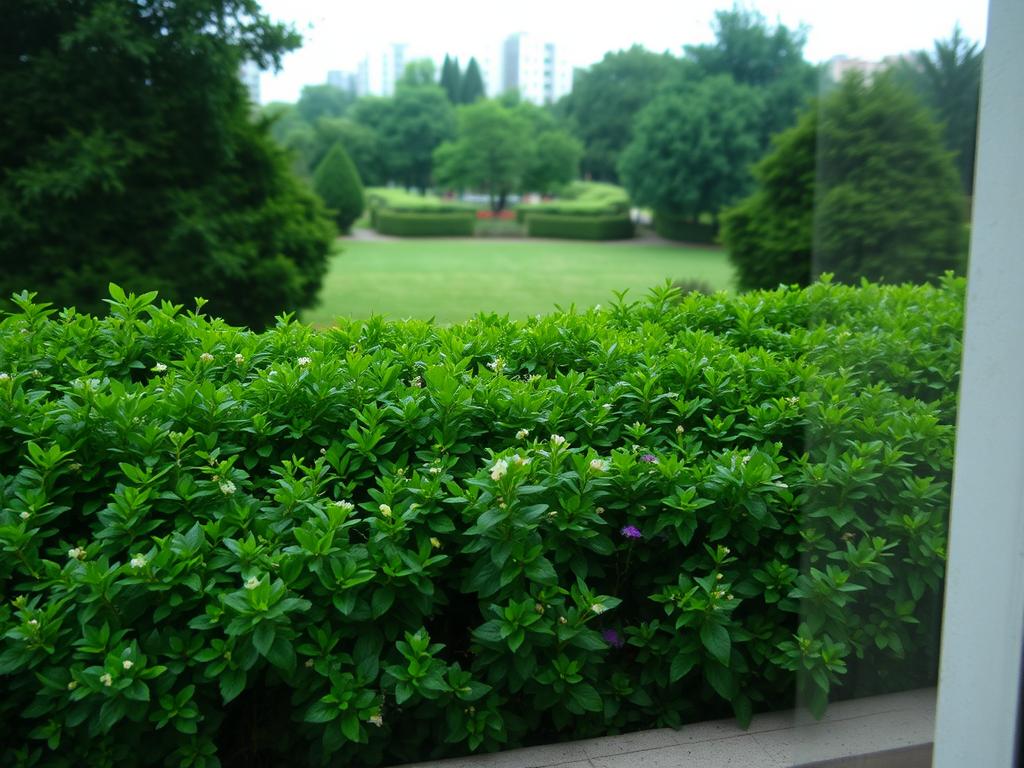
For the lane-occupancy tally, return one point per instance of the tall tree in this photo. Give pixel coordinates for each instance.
(338, 184)
(604, 100)
(318, 101)
(948, 79)
(864, 177)
(491, 152)
(451, 79)
(768, 58)
(692, 148)
(419, 72)
(417, 120)
(472, 86)
(130, 156)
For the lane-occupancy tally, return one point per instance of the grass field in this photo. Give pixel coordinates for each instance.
(452, 280)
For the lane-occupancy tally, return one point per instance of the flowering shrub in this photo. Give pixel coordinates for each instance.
(386, 542)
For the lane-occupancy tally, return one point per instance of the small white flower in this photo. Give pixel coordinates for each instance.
(782, 485)
(72, 685)
(680, 429)
(227, 487)
(553, 513)
(520, 460)
(558, 440)
(160, 367)
(33, 623)
(435, 542)
(239, 358)
(499, 469)
(435, 470)
(76, 553)
(385, 510)
(562, 620)
(25, 515)
(251, 583)
(4, 376)
(746, 459)
(522, 434)
(597, 608)
(597, 307)
(304, 361)
(309, 664)
(138, 561)
(206, 357)
(127, 664)
(377, 719)
(106, 679)
(598, 465)
(496, 365)
(345, 506)
(607, 406)
(417, 382)
(719, 577)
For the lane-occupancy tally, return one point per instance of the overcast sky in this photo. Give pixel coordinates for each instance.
(338, 33)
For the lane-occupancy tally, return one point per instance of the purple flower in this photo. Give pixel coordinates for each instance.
(631, 532)
(613, 638)
(649, 458)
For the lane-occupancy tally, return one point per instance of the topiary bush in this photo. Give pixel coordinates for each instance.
(337, 182)
(618, 227)
(863, 183)
(440, 224)
(392, 541)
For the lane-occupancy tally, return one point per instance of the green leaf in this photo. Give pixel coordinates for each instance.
(681, 664)
(383, 598)
(263, 637)
(587, 697)
(232, 683)
(350, 726)
(716, 640)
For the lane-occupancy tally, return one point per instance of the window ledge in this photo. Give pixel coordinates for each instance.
(889, 731)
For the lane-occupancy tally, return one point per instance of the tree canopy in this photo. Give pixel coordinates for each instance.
(605, 99)
(693, 147)
(337, 183)
(318, 101)
(948, 79)
(865, 179)
(419, 72)
(471, 85)
(129, 156)
(451, 79)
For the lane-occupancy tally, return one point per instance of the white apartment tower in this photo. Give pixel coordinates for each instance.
(249, 74)
(535, 69)
(378, 73)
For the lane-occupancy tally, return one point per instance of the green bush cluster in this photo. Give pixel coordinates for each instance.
(683, 229)
(581, 198)
(440, 224)
(393, 541)
(577, 227)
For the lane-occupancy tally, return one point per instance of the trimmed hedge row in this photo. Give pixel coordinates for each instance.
(683, 230)
(390, 541)
(441, 224)
(582, 198)
(619, 227)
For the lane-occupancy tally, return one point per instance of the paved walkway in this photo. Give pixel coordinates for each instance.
(893, 731)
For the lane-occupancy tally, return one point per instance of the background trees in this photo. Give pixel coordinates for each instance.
(693, 147)
(948, 80)
(337, 183)
(118, 170)
(606, 98)
(866, 179)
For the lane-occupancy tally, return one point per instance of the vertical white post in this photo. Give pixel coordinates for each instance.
(983, 625)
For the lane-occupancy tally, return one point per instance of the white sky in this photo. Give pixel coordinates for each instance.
(339, 33)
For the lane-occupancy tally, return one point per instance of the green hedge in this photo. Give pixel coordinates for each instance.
(580, 227)
(581, 198)
(683, 230)
(388, 542)
(441, 224)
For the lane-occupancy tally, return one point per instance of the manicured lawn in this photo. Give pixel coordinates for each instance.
(452, 280)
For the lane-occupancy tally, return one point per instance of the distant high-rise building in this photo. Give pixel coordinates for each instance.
(838, 66)
(535, 69)
(379, 72)
(249, 74)
(343, 81)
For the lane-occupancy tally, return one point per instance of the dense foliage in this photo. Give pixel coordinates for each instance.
(128, 154)
(501, 149)
(604, 101)
(948, 80)
(582, 198)
(865, 177)
(338, 184)
(425, 224)
(386, 542)
(693, 147)
(584, 227)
